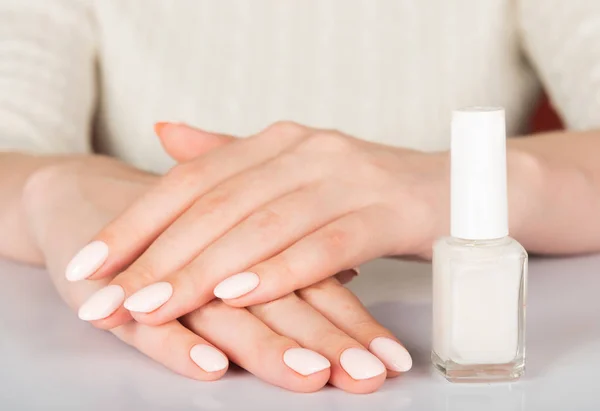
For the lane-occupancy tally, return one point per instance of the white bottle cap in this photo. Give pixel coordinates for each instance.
(478, 204)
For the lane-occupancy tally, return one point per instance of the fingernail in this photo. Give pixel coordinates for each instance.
(149, 298)
(158, 127)
(304, 361)
(208, 358)
(346, 276)
(236, 285)
(102, 304)
(394, 356)
(87, 261)
(361, 364)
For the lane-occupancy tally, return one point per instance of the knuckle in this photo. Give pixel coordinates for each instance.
(266, 219)
(322, 290)
(331, 337)
(334, 241)
(284, 128)
(331, 141)
(325, 286)
(367, 328)
(265, 344)
(284, 276)
(128, 332)
(138, 274)
(184, 175)
(265, 310)
(198, 318)
(217, 198)
(177, 172)
(171, 340)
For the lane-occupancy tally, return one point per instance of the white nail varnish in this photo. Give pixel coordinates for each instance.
(208, 358)
(236, 285)
(305, 361)
(479, 272)
(394, 356)
(360, 364)
(87, 261)
(149, 298)
(102, 304)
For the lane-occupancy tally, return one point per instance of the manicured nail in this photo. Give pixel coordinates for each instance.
(208, 358)
(304, 361)
(158, 127)
(394, 356)
(346, 276)
(361, 364)
(236, 285)
(149, 298)
(102, 304)
(87, 261)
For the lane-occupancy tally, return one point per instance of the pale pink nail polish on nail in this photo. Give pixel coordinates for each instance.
(102, 304)
(236, 285)
(360, 364)
(208, 358)
(87, 261)
(305, 361)
(149, 298)
(394, 356)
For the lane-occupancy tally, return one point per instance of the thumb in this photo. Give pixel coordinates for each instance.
(184, 143)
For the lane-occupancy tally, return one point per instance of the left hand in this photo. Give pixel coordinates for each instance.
(259, 218)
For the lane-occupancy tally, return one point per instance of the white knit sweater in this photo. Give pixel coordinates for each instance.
(77, 74)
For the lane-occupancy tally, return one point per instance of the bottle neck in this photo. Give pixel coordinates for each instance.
(482, 243)
(478, 191)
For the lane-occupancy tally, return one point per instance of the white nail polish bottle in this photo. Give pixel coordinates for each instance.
(479, 273)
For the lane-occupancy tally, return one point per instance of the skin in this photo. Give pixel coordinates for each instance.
(65, 201)
(295, 205)
(554, 198)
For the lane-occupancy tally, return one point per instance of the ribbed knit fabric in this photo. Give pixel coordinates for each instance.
(77, 74)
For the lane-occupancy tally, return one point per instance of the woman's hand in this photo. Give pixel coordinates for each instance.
(258, 218)
(298, 342)
(65, 205)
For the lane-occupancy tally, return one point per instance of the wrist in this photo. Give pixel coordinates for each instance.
(436, 195)
(76, 192)
(526, 174)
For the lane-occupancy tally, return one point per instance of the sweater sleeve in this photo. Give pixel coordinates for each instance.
(562, 40)
(47, 76)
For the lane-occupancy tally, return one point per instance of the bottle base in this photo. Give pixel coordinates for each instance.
(478, 373)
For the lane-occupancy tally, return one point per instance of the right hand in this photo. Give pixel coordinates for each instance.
(68, 204)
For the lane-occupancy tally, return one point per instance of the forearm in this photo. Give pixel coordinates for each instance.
(554, 192)
(15, 169)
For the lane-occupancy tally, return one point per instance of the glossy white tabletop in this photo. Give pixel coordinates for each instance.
(50, 360)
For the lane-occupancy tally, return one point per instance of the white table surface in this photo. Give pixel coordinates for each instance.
(50, 360)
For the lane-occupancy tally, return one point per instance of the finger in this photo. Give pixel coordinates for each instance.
(104, 308)
(340, 306)
(344, 243)
(264, 233)
(210, 217)
(353, 368)
(123, 240)
(252, 345)
(177, 348)
(184, 143)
